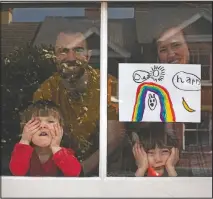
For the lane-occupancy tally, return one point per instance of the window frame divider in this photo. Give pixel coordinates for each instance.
(103, 91)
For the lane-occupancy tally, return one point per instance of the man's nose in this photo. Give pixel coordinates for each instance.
(70, 56)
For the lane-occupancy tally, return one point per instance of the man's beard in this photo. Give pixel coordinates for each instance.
(74, 76)
(71, 71)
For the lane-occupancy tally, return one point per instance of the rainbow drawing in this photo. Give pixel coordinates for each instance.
(167, 112)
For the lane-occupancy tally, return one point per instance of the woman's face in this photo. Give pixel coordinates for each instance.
(172, 47)
(157, 159)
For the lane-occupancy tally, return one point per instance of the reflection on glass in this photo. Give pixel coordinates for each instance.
(53, 63)
(154, 34)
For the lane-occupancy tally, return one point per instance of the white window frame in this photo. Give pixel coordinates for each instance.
(103, 186)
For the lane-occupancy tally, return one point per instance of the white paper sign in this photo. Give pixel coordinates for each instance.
(159, 92)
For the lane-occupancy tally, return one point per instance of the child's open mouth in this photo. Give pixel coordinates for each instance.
(158, 168)
(43, 134)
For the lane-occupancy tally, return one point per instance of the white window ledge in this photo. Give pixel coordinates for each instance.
(24, 187)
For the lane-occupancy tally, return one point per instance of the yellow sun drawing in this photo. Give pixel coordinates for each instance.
(157, 73)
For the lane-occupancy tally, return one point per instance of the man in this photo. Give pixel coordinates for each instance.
(75, 87)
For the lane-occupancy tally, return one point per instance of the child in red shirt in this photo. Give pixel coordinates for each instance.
(39, 152)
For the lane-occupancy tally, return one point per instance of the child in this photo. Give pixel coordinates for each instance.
(153, 156)
(39, 152)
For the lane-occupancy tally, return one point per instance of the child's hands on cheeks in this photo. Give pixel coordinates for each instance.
(141, 159)
(172, 161)
(57, 134)
(30, 128)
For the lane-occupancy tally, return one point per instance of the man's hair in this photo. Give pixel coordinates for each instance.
(156, 136)
(41, 108)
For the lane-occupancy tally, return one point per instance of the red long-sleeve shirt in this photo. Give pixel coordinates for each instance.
(24, 160)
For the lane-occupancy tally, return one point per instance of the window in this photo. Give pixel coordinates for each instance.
(125, 49)
(199, 134)
(204, 57)
(136, 44)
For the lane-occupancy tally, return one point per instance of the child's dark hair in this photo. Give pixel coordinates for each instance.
(157, 136)
(41, 108)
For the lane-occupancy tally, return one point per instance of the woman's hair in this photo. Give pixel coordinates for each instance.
(157, 136)
(41, 108)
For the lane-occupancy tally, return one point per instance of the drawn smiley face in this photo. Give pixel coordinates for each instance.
(152, 101)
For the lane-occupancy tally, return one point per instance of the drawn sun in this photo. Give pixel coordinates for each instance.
(157, 73)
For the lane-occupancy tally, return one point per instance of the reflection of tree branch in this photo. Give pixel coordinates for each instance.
(23, 70)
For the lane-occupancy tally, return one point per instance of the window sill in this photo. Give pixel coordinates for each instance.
(206, 83)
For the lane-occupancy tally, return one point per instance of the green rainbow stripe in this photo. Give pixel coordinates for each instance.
(167, 112)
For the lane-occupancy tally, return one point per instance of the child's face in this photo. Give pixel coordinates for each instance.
(43, 137)
(157, 158)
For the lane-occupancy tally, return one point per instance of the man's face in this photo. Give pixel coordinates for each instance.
(172, 47)
(70, 48)
(157, 158)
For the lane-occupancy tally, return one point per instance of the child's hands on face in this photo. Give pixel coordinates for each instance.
(140, 157)
(57, 134)
(30, 128)
(172, 161)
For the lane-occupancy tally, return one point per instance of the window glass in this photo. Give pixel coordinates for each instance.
(50, 56)
(191, 138)
(171, 37)
(200, 133)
